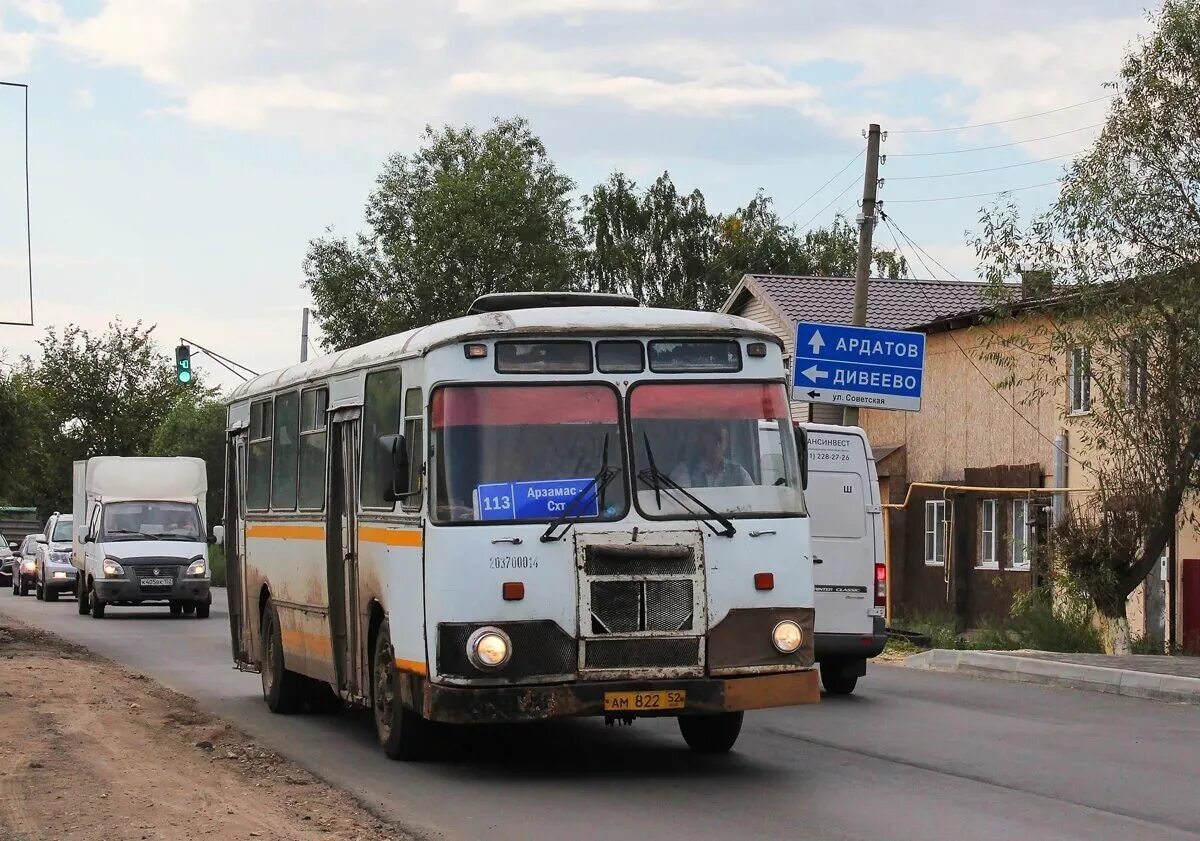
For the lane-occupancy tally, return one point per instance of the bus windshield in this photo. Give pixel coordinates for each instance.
(730, 445)
(521, 453)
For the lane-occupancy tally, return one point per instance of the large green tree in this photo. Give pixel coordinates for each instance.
(470, 212)
(1123, 239)
(195, 426)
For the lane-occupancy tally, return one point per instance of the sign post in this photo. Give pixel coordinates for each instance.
(858, 366)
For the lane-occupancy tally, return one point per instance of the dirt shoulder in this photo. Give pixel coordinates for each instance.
(89, 750)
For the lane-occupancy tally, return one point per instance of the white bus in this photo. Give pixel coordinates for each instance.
(557, 505)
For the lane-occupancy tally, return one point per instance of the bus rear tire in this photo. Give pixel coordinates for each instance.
(402, 733)
(282, 689)
(711, 733)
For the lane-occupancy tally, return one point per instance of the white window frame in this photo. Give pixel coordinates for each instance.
(1021, 540)
(1080, 380)
(988, 522)
(935, 532)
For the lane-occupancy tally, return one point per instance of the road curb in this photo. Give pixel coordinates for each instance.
(1132, 684)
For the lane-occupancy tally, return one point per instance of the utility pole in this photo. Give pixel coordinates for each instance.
(304, 337)
(866, 233)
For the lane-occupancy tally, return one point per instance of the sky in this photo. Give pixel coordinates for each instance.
(182, 153)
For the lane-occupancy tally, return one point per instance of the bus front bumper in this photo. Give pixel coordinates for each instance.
(703, 696)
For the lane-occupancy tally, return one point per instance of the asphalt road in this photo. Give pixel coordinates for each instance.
(912, 755)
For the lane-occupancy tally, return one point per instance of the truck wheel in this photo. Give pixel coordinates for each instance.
(202, 609)
(38, 593)
(402, 732)
(24, 589)
(81, 595)
(176, 608)
(836, 681)
(711, 733)
(97, 604)
(49, 595)
(189, 608)
(282, 689)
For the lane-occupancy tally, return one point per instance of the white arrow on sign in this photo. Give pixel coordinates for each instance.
(815, 374)
(816, 343)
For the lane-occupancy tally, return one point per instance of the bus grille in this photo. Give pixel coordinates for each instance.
(642, 653)
(622, 607)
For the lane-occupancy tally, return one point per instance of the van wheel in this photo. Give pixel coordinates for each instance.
(81, 595)
(176, 608)
(38, 593)
(23, 590)
(189, 608)
(282, 689)
(836, 681)
(402, 732)
(711, 733)
(98, 604)
(202, 609)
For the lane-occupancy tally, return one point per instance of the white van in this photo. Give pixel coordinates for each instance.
(141, 535)
(849, 574)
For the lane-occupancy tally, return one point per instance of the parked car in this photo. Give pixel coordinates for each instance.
(25, 564)
(55, 573)
(7, 553)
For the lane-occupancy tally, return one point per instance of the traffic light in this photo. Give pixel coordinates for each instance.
(183, 364)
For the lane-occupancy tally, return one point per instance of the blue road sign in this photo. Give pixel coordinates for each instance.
(858, 366)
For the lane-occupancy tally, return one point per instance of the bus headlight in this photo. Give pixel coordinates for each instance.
(787, 636)
(489, 648)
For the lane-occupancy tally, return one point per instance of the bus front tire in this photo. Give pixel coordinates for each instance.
(402, 733)
(711, 733)
(282, 689)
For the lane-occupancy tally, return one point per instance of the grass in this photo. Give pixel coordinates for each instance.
(216, 565)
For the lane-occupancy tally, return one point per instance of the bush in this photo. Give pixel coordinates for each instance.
(216, 564)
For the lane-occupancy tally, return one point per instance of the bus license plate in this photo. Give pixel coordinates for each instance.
(667, 699)
(157, 582)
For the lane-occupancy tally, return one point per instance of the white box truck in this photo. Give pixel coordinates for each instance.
(141, 535)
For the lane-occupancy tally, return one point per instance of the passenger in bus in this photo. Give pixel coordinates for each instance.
(709, 466)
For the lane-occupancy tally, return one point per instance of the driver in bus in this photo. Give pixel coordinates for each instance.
(709, 465)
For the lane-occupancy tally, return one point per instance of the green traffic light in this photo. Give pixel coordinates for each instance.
(185, 376)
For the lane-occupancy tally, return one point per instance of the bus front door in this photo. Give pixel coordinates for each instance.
(235, 548)
(341, 546)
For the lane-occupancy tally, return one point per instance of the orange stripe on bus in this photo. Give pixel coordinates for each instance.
(411, 666)
(305, 640)
(282, 532)
(390, 537)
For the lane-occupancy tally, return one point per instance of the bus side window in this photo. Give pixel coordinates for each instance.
(413, 430)
(313, 405)
(287, 451)
(381, 419)
(258, 467)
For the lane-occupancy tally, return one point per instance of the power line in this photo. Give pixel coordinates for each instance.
(918, 250)
(994, 146)
(28, 230)
(832, 178)
(1009, 120)
(972, 195)
(988, 169)
(845, 190)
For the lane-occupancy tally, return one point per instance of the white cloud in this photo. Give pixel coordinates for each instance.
(504, 11)
(16, 49)
(48, 12)
(254, 105)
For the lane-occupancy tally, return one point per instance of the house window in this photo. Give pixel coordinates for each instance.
(935, 532)
(1135, 374)
(1080, 378)
(987, 534)
(1023, 538)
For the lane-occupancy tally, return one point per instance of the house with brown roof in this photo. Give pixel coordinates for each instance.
(962, 553)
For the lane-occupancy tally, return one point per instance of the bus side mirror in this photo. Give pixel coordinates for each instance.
(802, 455)
(398, 485)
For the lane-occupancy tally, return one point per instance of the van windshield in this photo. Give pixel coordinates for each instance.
(509, 453)
(729, 444)
(150, 521)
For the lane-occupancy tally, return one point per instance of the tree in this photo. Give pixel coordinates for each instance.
(94, 395)
(468, 213)
(20, 438)
(664, 247)
(1123, 242)
(195, 426)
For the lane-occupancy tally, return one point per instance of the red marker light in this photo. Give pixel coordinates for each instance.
(764, 581)
(513, 591)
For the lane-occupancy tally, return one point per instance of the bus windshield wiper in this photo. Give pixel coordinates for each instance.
(595, 487)
(658, 480)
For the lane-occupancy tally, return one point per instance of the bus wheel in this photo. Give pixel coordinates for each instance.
(282, 689)
(402, 733)
(711, 733)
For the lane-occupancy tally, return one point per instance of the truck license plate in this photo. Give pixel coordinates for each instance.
(157, 582)
(667, 699)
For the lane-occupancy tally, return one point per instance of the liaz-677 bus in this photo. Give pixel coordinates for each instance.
(556, 505)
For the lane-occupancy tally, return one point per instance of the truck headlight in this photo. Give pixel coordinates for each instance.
(198, 569)
(489, 648)
(787, 636)
(112, 568)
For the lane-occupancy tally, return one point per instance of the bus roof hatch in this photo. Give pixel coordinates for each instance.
(500, 301)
